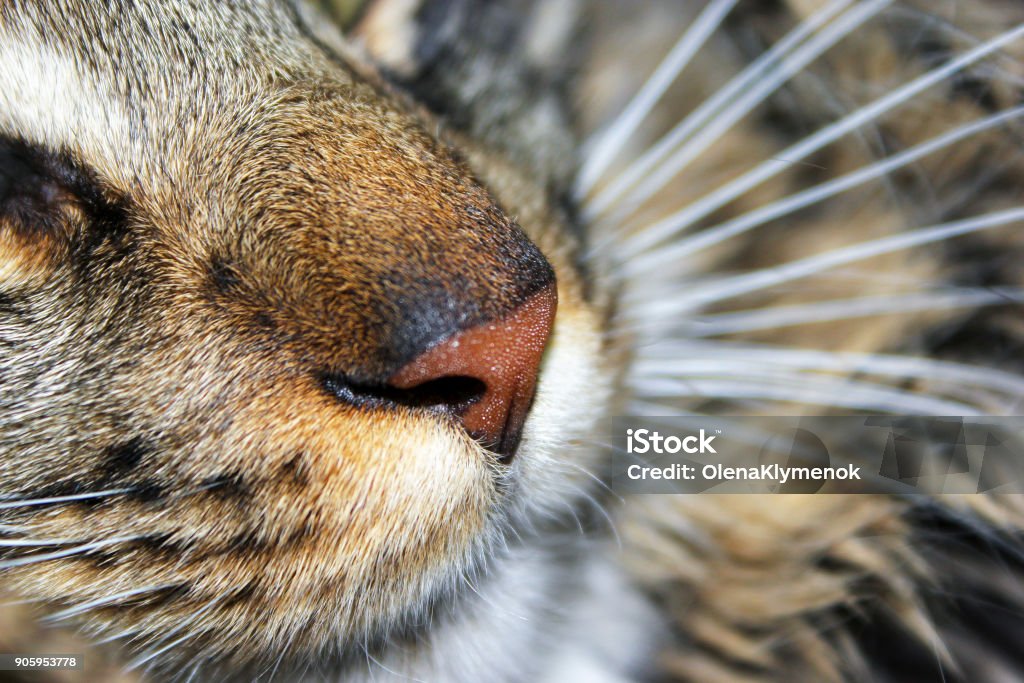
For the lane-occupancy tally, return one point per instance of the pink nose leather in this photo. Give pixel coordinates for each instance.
(504, 356)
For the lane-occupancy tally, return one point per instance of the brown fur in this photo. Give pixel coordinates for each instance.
(298, 222)
(288, 203)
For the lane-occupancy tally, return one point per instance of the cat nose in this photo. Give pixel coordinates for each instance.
(501, 358)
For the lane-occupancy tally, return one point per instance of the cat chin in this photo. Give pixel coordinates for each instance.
(546, 612)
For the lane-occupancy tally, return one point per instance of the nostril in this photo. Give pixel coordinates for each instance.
(453, 395)
(504, 356)
(484, 376)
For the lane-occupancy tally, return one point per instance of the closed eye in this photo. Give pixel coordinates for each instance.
(43, 193)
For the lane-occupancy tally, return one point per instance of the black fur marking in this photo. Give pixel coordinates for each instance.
(122, 458)
(9, 307)
(246, 543)
(773, 9)
(243, 594)
(482, 41)
(97, 559)
(980, 262)
(224, 276)
(148, 491)
(40, 188)
(978, 339)
(299, 535)
(169, 596)
(895, 655)
(160, 544)
(566, 203)
(227, 485)
(296, 470)
(936, 52)
(451, 31)
(265, 321)
(30, 197)
(975, 617)
(975, 89)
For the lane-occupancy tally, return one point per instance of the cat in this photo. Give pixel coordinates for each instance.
(313, 319)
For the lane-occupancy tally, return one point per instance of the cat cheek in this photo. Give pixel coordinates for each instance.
(375, 478)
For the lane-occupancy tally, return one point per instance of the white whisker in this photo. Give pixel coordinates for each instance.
(597, 480)
(845, 309)
(36, 542)
(802, 389)
(800, 200)
(610, 141)
(156, 653)
(729, 287)
(752, 87)
(147, 656)
(609, 520)
(654, 408)
(393, 673)
(768, 169)
(133, 632)
(195, 671)
(667, 363)
(68, 552)
(100, 602)
(498, 608)
(951, 31)
(28, 502)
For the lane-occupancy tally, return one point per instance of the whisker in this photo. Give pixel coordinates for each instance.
(806, 390)
(36, 542)
(150, 655)
(29, 502)
(608, 143)
(846, 309)
(813, 195)
(134, 664)
(601, 483)
(635, 323)
(768, 169)
(100, 602)
(392, 672)
(729, 287)
(917, 367)
(596, 504)
(133, 632)
(77, 550)
(738, 98)
(194, 671)
(278, 660)
(498, 608)
(951, 30)
(648, 407)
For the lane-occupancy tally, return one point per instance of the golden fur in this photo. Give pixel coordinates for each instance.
(240, 201)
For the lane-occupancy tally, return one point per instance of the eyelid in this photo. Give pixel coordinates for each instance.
(39, 188)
